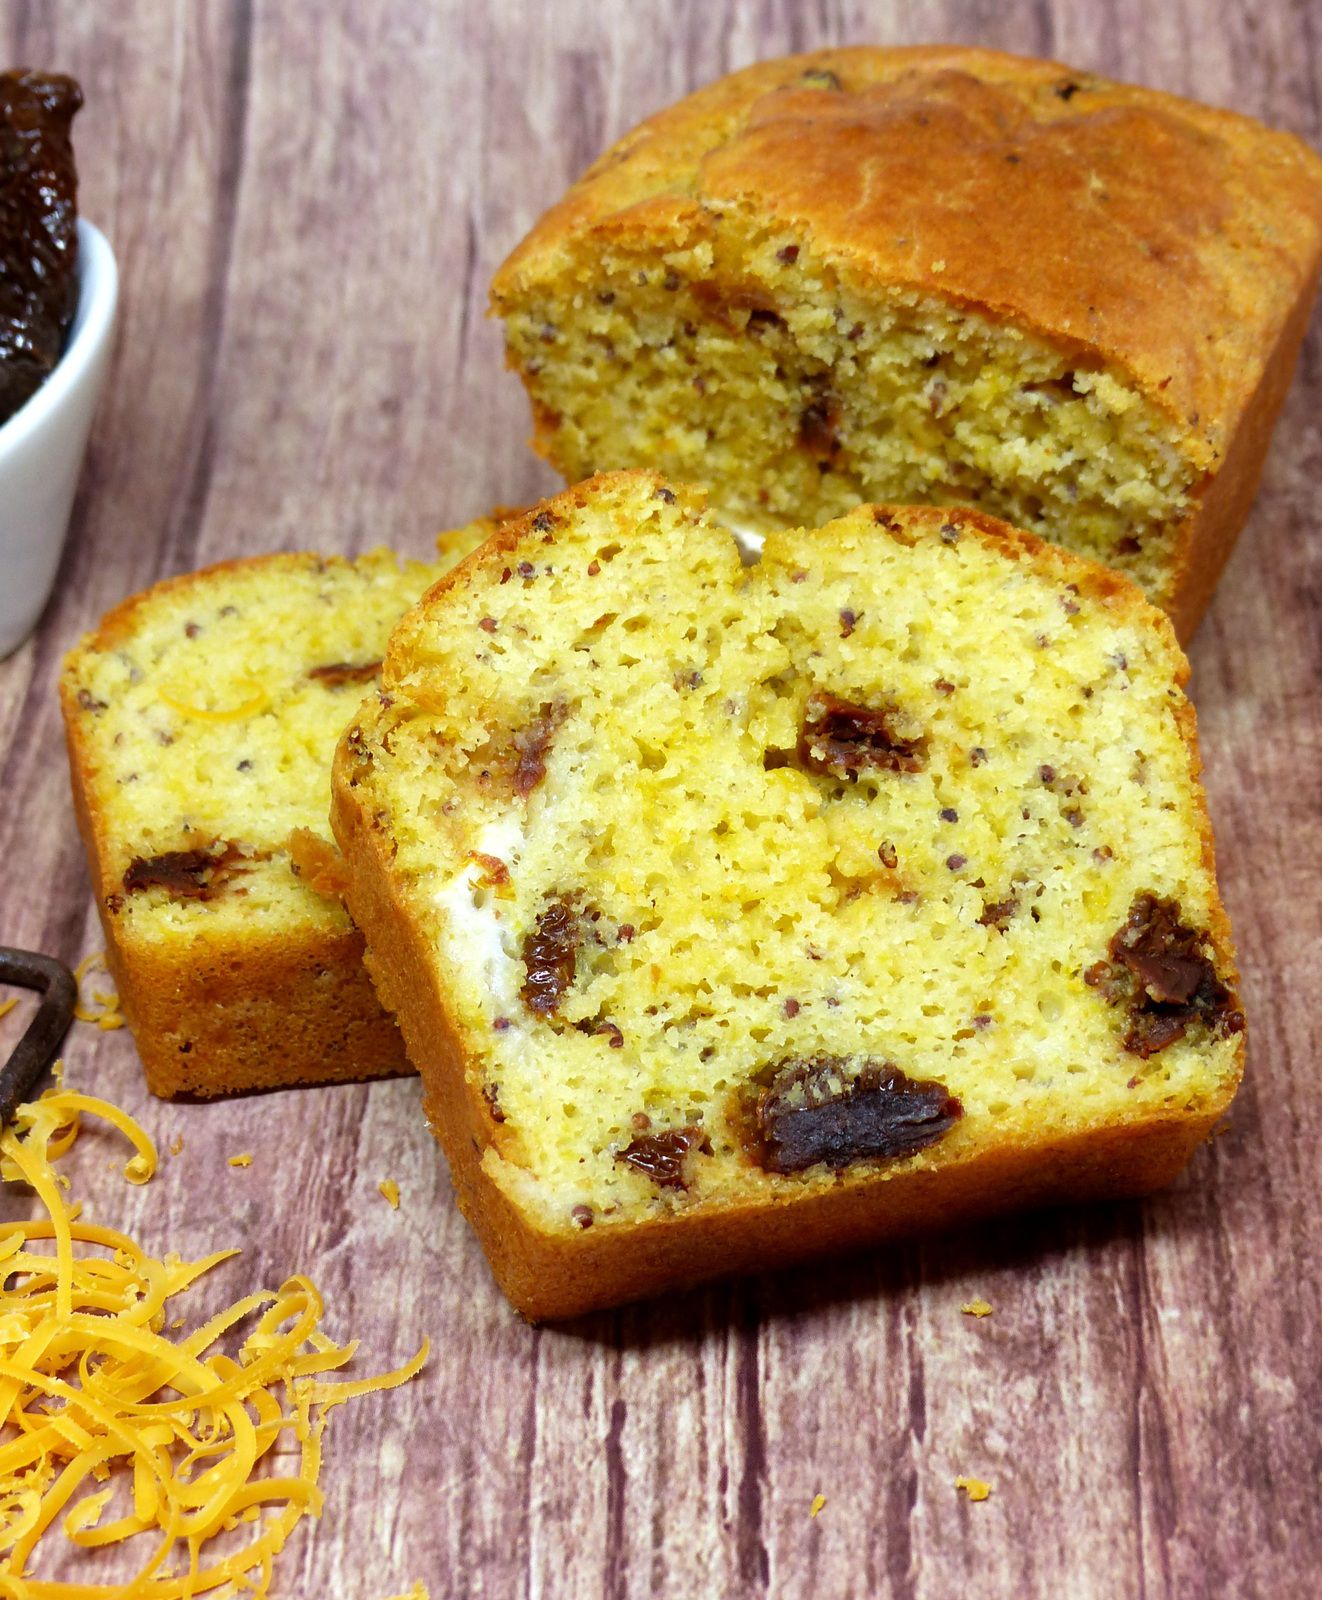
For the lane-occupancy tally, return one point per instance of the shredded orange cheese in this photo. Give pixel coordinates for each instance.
(109, 1016)
(976, 1308)
(257, 701)
(119, 1435)
(975, 1488)
(818, 1501)
(390, 1189)
(6, 1006)
(244, 1159)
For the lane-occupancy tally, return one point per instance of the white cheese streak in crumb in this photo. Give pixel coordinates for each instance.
(476, 921)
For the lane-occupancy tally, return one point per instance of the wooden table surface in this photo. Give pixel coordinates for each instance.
(307, 204)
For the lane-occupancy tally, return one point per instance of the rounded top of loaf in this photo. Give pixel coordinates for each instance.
(1167, 238)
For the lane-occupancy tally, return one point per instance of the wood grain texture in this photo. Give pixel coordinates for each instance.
(307, 205)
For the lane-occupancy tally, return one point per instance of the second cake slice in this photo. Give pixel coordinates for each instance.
(737, 914)
(201, 717)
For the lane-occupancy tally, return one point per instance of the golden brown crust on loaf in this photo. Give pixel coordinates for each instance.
(118, 623)
(1138, 231)
(280, 1014)
(552, 1274)
(1221, 507)
(1121, 219)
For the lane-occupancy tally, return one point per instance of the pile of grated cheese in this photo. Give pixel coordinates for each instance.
(114, 1433)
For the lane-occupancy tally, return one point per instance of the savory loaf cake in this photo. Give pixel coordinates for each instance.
(201, 717)
(938, 275)
(736, 914)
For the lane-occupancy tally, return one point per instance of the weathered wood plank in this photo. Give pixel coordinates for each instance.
(306, 211)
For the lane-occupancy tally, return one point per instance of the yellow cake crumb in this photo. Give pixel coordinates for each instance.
(974, 1488)
(818, 1501)
(177, 1144)
(390, 1191)
(242, 1160)
(202, 714)
(977, 1307)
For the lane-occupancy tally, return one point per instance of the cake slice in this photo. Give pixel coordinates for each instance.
(201, 717)
(938, 274)
(736, 914)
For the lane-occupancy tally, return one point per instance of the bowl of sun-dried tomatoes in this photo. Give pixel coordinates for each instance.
(58, 289)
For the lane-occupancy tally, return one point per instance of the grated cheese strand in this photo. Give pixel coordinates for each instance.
(256, 702)
(110, 1432)
(109, 1016)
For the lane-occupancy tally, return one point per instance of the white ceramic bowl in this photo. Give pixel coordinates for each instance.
(42, 445)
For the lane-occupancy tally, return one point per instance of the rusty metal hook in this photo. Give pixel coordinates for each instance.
(40, 1044)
